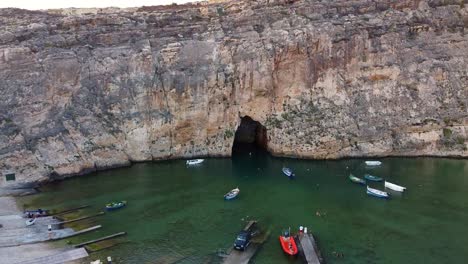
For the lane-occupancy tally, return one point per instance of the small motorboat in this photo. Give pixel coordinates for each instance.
(372, 178)
(288, 244)
(288, 172)
(36, 213)
(232, 194)
(30, 221)
(357, 180)
(115, 205)
(194, 161)
(373, 163)
(394, 187)
(377, 193)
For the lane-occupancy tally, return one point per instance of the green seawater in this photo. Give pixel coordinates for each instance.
(176, 214)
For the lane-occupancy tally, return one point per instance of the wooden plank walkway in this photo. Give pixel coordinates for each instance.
(308, 248)
(59, 258)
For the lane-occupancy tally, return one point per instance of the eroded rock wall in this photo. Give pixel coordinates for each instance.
(83, 90)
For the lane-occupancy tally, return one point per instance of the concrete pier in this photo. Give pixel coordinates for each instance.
(308, 248)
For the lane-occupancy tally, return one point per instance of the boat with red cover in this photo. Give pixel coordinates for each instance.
(288, 244)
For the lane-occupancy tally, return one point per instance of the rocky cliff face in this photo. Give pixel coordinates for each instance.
(83, 90)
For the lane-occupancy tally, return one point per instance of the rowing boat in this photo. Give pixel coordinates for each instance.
(377, 193)
(394, 187)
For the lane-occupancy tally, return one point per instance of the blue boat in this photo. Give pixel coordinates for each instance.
(232, 194)
(377, 193)
(115, 205)
(372, 178)
(288, 172)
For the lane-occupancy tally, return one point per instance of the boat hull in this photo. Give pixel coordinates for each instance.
(377, 193)
(288, 172)
(372, 178)
(232, 194)
(116, 207)
(194, 162)
(373, 163)
(394, 187)
(357, 180)
(288, 244)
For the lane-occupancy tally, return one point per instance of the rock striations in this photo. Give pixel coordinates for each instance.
(84, 89)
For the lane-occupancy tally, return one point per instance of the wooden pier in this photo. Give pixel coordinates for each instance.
(243, 257)
(100, 239)
(308, 248)
(70, 210)
(80, 218)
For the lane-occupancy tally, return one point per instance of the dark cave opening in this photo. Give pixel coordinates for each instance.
(250, 138)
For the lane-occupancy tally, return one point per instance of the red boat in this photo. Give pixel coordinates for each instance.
(288, 244)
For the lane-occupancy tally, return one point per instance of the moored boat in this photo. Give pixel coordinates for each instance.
(288, 172)
(394, 187)
(288, 244)
(373, 162)
(232, 194)
(372, 178)
(36, 213)
(194, 161)
(30, 221)
(377, 193)
(115, 205)
(356, 179)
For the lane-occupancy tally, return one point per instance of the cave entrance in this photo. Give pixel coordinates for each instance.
(250, 138)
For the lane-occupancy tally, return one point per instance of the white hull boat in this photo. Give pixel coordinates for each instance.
(377, 193)
(194, 161)
(394, 187)
(373, 163)
(30, 222)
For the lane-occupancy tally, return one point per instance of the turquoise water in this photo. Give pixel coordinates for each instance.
(177, 213)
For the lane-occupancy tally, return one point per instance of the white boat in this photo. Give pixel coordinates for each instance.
(194, 161)
(30, 221)
(377, 193)
(373, 163)
(232, 194)
(394, 187)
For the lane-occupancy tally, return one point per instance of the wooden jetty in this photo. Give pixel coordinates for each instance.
(86, 230)
(308, 248)
(243, 257)
(70, 210)
(79, 219)
(100, 239)
(59, 258)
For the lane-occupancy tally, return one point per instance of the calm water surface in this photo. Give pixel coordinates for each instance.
(177, 213)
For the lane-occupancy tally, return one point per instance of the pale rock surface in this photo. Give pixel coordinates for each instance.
(83, 90)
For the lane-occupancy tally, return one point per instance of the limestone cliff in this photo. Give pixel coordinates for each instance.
(88, 89)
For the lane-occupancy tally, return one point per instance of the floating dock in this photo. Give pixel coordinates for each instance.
(243, 257)
(308, 248)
